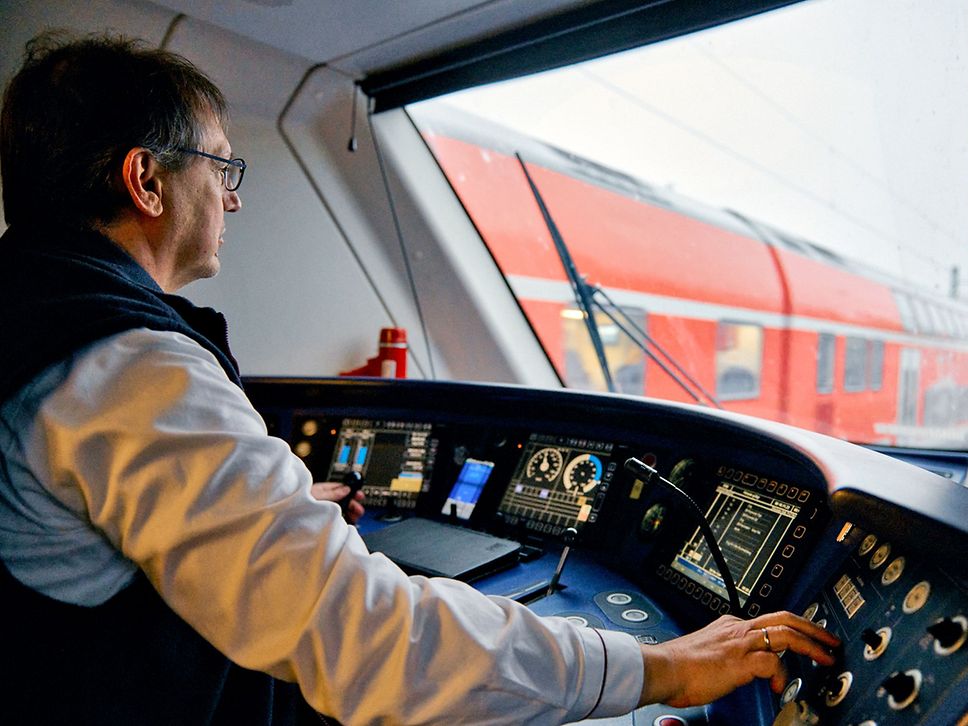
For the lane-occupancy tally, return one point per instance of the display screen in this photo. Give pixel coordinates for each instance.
(467, 489)
(749, 527)
(395, 458)
(559, 482)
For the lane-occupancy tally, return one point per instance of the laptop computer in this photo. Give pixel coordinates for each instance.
(425, 547)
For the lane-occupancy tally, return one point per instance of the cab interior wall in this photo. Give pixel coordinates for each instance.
(312, 266)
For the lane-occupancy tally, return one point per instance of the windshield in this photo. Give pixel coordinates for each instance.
(766, 217)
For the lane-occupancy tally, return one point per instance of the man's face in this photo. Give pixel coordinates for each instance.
(198, 202)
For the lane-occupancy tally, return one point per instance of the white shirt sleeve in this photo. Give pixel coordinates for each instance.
(169, 460)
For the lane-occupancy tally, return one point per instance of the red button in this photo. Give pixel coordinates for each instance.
(669, 721)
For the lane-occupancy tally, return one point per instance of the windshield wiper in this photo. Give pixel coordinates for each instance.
(585, 297)
(581, 290)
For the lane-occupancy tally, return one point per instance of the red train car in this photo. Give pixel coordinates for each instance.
(767, 323)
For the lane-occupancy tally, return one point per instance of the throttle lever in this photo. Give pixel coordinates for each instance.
(354, 480)
(569, 536)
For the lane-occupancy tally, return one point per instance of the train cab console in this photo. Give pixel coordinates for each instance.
(873, 548)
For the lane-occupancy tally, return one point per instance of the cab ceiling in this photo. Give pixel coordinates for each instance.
(359, 37)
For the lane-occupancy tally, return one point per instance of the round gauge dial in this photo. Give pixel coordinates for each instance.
(583, 474)
(544, 466)
(683, 473)
(652, 521)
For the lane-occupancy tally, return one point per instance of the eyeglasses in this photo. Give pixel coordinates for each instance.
(232, 172)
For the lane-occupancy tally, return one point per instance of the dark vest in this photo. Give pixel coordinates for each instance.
(131, 660)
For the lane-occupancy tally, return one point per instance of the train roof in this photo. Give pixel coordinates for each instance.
(447, 120)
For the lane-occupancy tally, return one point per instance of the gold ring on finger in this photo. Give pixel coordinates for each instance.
(766, 640)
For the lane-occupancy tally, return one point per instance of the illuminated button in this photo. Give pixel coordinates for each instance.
(724, 608)
(634, 615)
(799, 531)
(916, 597)
(776, 571)
(788, 551)
(619, 598)
(893, 571)
(781, 489)
(715, 603)
(310, 427)
(794, 491)
(754, 610)
(771, 486)
(804, 495)
(690, 587)
(880, 555)
(867, 545)
(303, 449)
(766, 589)
(706, 597)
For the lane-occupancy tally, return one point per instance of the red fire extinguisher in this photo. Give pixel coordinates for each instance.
(391, 357)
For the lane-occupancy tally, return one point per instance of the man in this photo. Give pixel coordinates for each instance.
(164, 560)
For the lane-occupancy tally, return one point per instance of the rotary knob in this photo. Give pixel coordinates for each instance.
(902, 688)
(949, 634)
(876, 642)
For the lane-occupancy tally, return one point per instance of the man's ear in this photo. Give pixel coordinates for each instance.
(141, 176)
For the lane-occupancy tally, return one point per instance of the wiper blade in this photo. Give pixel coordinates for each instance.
(581, 290)
(587, 303)
(644, 342)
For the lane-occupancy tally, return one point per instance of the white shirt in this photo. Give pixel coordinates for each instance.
(139, 452)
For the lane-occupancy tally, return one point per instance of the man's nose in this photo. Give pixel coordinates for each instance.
(232, 201)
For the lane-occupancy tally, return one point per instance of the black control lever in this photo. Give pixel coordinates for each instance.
(568, 536)
(647, 473)
(354, 480)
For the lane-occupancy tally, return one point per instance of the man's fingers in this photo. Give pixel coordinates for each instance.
(797, 623)
(329, 491)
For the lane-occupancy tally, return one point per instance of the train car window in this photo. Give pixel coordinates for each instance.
(797, 172)
(855, 364)
(875, 359)
(739, 361)
(826, 351)
(626, 359)
(905, 310)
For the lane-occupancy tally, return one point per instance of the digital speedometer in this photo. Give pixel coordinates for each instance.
(559, 482)
(544, 466)
(583, 474)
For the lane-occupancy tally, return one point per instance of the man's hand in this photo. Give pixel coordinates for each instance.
(709, 663)
(331, 491)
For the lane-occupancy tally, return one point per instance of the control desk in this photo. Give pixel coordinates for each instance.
(874, 548)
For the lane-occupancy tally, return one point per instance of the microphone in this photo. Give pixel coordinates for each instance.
(648, 474)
